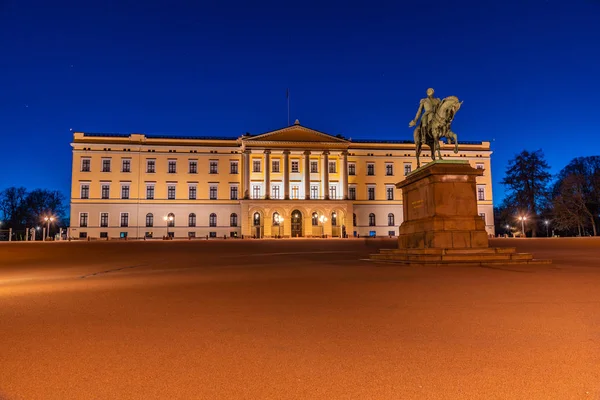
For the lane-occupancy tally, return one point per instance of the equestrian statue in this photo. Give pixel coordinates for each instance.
(435, 123)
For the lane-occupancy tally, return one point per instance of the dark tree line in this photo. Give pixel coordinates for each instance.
(20, 208)
(568, 205)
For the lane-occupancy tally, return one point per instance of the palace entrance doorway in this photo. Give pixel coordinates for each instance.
(296, 224)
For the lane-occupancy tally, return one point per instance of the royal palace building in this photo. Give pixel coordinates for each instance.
(291, 182)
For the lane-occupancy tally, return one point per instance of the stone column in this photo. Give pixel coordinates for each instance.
(246, 173)
(286, 174)
(307, 175)
(326, 175)
(267, 174)
(344, 174)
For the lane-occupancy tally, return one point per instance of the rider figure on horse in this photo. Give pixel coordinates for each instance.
(430, 105)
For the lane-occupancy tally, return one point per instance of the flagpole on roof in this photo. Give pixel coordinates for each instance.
(287, 95)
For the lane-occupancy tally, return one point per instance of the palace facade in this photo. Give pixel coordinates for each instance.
(291, 182)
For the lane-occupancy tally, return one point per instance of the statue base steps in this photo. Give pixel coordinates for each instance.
(457, 257)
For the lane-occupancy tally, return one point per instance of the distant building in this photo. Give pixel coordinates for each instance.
(291, 182)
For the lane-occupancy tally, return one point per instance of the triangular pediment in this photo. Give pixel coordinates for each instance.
(296, 134)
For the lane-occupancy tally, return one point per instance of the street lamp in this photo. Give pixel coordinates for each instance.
(508, 229)
(279, 221)
(547, 222)
(522, 219)
(168, 219)
(48, 220)
(323, 219)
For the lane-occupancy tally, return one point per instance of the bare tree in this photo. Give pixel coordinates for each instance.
(12, 206)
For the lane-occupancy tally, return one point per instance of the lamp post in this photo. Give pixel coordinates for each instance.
(522, 219)
(168, 219)
(48, 220)
(547, 222)
(508, 230)
(279, 220)
(323, 219)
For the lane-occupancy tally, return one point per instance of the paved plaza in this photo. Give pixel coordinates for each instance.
(294, 319)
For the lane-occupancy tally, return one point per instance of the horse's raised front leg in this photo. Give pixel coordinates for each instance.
(418, 144)
(455, 138)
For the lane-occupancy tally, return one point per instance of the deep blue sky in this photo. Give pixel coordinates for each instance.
(528, 72)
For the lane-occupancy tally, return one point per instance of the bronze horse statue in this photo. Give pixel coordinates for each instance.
(438, 128)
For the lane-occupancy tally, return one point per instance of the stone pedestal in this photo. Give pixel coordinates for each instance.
(441, 223)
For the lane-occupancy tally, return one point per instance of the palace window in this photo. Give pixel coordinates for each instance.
(391, 221)
(149, 220)
(233, 219)
(295, 192)
(124, 220)
(407, 169)
(314, 167)
(275, 166)
(276, 218)
(352, 193)
(479, 166)
(150, 192)
(351, 169)
(213, 192)
(334, 219)
(212, 220)
(371, 192)
(256, 219)
(126, 165)
(332, 167)
(370, 169)
(192, 192)
(171, 220)
(314, 192)
(233, 167)
(193, 167)
(150, 166)
(171, 192)
(256, 192)
(233, 193)
(83, 220)
(333, 192)
(295, 166)
(85, 165)
(125, 192)
(105, 191)
(389, 191)
(172, 167)
(315, 219)
(106, 165)
(256, 166)
(213, 167)
(480, 192)
(85, 191)
(389, 169)
(275, 192)
(103, 220)
(371, 219)
(192, 220)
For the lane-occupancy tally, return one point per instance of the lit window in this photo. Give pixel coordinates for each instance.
(333, 192)
(171, 220)
(480, 192)
(275, 192)
(295, 192)
(314, 192)
(314, 167)
(256, 192)
(275, 166)
(332, 167)
(315, 219)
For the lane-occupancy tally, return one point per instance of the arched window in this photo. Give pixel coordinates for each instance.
(256, 219)
(391, 219)
(212, 220)
(315, 219)
(149, 220)
(371, 219)
(233, 219)
(354, 219)
(334, 219)
(192, 220)
(171, 220)
(276, 218)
